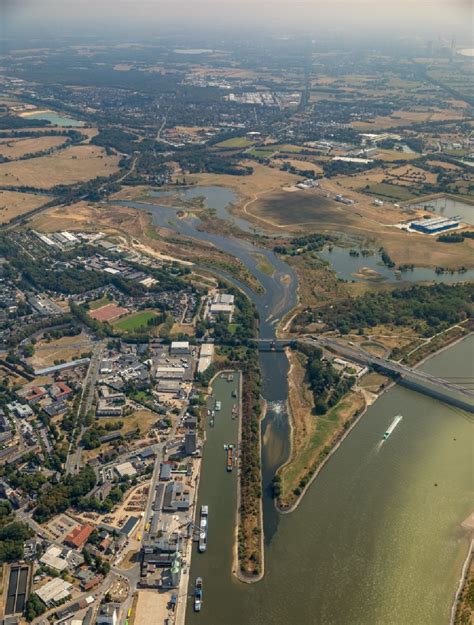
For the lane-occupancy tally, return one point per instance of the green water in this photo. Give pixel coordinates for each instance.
(377, 538)
(57, 120)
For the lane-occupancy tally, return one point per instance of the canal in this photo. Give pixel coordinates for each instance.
(218, 490)
(377, 538)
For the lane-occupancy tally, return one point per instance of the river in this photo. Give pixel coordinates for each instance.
(377, 538)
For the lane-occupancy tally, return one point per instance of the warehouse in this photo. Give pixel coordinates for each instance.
(54, 591)
(434, 225)
(179, 348)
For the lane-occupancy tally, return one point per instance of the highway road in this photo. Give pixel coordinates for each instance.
(422, 378)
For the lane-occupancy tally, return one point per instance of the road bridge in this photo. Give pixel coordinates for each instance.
(415, 379)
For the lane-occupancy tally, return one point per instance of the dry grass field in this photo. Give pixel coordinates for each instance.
(13, 204)
(301, 165)
(404, 118)
(263, 180)
(444, 165)
(408, 176)
(282, 208)
(75, 164)
(16, 148)
(66, 348)
(395, 155)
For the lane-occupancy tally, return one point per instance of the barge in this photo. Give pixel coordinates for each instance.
(203, 529)
(230, 458)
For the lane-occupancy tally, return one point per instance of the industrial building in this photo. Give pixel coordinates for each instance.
(179, 348)
(205, 357)
(190, 442)
(125, 469)
(434, 225)
(221, 304)
(56, 558)
(176, 497)
(54, 591)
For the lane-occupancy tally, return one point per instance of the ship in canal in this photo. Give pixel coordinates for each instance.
(218, 405)
(198, 595)
(230, 458)
(392, 426)
(203, 529)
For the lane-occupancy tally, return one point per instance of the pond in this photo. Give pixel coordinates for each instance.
(56, 119)
(448, 207)
(371, 269)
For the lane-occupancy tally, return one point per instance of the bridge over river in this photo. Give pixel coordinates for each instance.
(415, 379)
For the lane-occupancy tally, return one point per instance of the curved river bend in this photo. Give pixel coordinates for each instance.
(377, 538)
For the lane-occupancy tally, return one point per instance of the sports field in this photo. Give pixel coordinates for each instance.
(107, 312)
(134, 321)
(235, 142)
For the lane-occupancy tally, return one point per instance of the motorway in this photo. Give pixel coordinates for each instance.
(441, 386)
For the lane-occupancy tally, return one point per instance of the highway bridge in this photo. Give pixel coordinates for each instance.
(415, 379)
(421, 381)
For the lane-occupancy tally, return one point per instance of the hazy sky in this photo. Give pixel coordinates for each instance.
(447, 17)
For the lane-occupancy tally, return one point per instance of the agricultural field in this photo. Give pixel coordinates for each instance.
(134, 321)
(13, 204)
(395, 155)
(406, 118)
(398, 183)
(390, 191)
(16, 148)
(75, 164)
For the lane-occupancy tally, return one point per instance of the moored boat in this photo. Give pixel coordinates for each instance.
(230, 458)
(198, 595)
(203, 529)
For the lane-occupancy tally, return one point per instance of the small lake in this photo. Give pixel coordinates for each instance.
(448, 207)
(361, 269)
(56, 119)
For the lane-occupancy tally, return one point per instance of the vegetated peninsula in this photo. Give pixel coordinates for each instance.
(326, 399)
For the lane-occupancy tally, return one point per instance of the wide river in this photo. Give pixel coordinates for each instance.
(377, 538)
